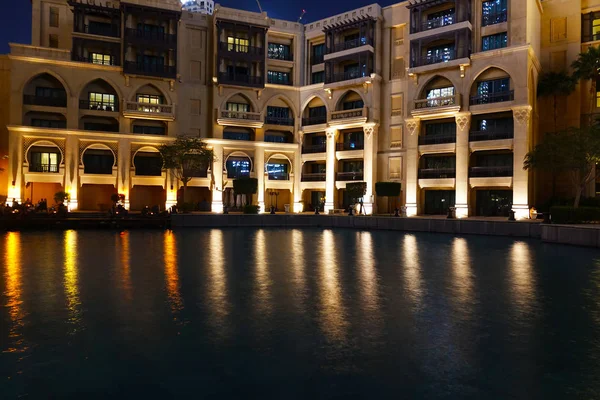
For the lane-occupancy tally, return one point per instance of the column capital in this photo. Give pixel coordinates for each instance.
(463, 120)
(522, 115)
(369, 129)
(412, 125)
(331, 133)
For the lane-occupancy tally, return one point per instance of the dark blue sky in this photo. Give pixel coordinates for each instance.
(15, 24)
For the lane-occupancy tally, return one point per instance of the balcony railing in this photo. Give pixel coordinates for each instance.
(279, 81)
(39, 167)
(435, 58)
(437, 139)
(148, 171)
(241, 79)
(113, 60)
(317, 59)
(489, 98)
(476, 136)
(314, 177)
(320, 119)
(490, 172)
(280, 56)
(98, 105)
(242, 49)
(151, 36)
(149, 108)
(110, 30)
(496, 18)
(437, 22)
(349, 146)
(279, 121)
(437, 173)
(250, 116)
(166, 71)
(346, 76)
(437, 102)
(279, 176)
(349, 176)
(350, 44)
(314, 148)
(347, 114)
(44, 101)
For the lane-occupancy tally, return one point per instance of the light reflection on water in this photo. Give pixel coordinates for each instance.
(415, 311)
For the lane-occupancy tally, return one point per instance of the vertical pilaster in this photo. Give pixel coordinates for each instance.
(124, 170)
(297, 169)
(412, 166)
(330, 169)
(15, 166)
(217, 179)
(370, 166)
(71, 161)
(521, 143)
(463, 123)
(172, 187)
(259, 173)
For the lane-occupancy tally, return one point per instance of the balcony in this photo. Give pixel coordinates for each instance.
(349, 146)
(314, 177)
(240, 118)
(279, 121)
(349, 114)
(150, 37)
(350, 44)
(490, 172)
(439, 22)
(241, 49)
(349, 176)
(492, 19)
(437, 173)
(492, 98)
(98, 105)
(250, 116)
(100, 30)
(45, 168)
(346, 76)
(163, 112)
(279, 81)
(279, 176)
(320, 119)
(437, 139)
(477, 136)
(435, 59)
(314, 148)
(436, 105)
(244, 80)
(34, 100)
(163, 71)
(280, 56)
(317, 59)
(114, 60)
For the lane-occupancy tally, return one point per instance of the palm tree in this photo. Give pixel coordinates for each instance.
(555, 84)
(586, 68)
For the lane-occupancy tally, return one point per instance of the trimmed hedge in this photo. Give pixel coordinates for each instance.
(570, 215)
(388, 189)
(251, 209)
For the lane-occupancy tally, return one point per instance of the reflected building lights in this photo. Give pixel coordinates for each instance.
(368, 274)
(412, 268)
(125, 261)
(71, 280)
(263, 280)
(14, 302)
(333, 317)
(171, 273)
(461, 269)
(522, 278)
(217, 287)
(298, 265)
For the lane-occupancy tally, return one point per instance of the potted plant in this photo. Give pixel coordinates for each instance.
(356, 190)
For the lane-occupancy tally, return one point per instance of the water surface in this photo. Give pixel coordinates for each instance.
(296, 314)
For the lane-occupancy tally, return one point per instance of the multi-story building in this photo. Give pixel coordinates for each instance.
(199, 6)
(438, 95)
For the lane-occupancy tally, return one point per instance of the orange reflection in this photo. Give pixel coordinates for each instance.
(71, 275)
(14, 302)
(461, 269)
(171, 273)
(412, 268)
(263, 280)
(125, 269)
(523, 280)
(217, 287)
(298, 263)
(333, 316)
(368, 275)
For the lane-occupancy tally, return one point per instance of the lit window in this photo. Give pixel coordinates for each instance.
(238, 107)
(491, 42)
(238, 45)
(102, 101)
(439, 54)
(149, 102)
(493, 12)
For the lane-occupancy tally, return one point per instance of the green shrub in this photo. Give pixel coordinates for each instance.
(356, 190)
(570, 215)
(251, 209)
(387, 189)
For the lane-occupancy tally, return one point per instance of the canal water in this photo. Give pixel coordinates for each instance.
(296, 314)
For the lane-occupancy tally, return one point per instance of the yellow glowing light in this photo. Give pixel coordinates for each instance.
(333, 316)
(171, 273)
(412, 268)
(263, 280)
(461, 268)
(523, 280)
(217, 288)
(123, 241)
(14, 302)
(70, 274)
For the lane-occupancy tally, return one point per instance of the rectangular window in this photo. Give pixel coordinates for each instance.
(352, 105)
(492, 42)
(149, 99)
(440, 18)
(53, 41)
(279, 78)
(492, 91)
(318, 54)
(440, 92)
(351, 71)
(279, 52)
(317, 112)
(149, 130)
(151, 31)
(47, 123)
(238, 107)
(102, 101)
(44, 162)
(100, 127)
(278, 112)
(235, 135)
(317, 77)
(238, 45)
(439, 54)
(395, 168)
(396, 137)
(54, 17)
(195, 106)
(440, 129)
(493, 12)
(102, 59)
(396, 106)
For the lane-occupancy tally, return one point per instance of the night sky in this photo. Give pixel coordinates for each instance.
(15, 24)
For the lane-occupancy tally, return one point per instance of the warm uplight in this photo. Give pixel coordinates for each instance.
(522, 277)
(71, 276)
(333, 318)
(217, 285)
(368, 275)
(123, 243)
(412, 268)
(297, 250)
(14, 302)
(461, 270)
(263, 280)
(298, 207)
(171, 273)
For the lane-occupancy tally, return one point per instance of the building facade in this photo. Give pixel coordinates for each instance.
(438, 95)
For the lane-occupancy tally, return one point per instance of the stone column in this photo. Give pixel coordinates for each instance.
(16, 155)
(370, 166)
(172, 186)
(463, 123)
(297, 170)
(521, 142)
(330, 169)
(124, 170)
(412, 166)
(259, 173)
(217, 179)
(71, 184)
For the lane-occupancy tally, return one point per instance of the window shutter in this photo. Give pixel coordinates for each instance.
(395, 168)
(396, 136)
(398, 68)
(558, 29)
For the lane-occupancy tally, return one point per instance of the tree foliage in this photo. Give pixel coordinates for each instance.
(585, 68)
(574, 151)
(388, 189)
(247, 186)
(556, 84)
(356, 189)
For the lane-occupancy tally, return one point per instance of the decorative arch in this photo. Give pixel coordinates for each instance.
(109, 81)
(346, 93)
(280, 155)
(285, 99)
(48, 143)
(238, 154)
(97, 146)
(421, 88)
(307, 101)
(165, 94)
(145, 149)
(486, 69)
(43, 71)
(252, 103)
